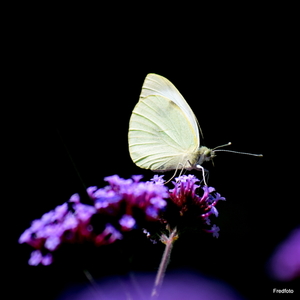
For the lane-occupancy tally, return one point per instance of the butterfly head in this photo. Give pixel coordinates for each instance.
(205, 154)
(208, 154)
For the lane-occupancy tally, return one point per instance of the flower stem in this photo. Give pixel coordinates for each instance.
(168, 241)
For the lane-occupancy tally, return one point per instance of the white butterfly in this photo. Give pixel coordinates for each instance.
(163, 130)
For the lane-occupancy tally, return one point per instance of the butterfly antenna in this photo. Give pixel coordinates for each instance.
(221, 146)
(252, 154)
(238, 152)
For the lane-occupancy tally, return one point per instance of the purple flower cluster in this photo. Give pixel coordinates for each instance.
(126, 198)
(123, 205)
(193, 206)
(68, 222)
(117, 208)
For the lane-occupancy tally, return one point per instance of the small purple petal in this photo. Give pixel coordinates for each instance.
(84, 212)
(127, 222)
(214, 211)
(116, 181)
(218, 197)
(60, 211)
(91, 190)
(108, 236)
(137, 178)
(47, 260)
(207, 191)
(215, 231)
(151, 212)
(35, 258)
(25, 236)
(158, 179)
(49, 230)
(207, 220)
(48, 217)
(37, 225)
(70, 222)
(75, 198)
(158, 202)
(52, 243)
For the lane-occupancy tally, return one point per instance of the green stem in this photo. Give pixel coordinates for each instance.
(168, 241)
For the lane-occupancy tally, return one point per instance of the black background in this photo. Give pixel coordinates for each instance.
(73, 80)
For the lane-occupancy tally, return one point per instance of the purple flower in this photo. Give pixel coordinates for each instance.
(158, 179)
(193, 206)
(66, 223)
(214, 230)
(285, 262)
(123, 205)
(37, 258)
(130, 197)
(108, 236)
(127, 222)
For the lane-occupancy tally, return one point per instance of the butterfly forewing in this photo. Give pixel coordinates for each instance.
(158, 85)
(160, 135)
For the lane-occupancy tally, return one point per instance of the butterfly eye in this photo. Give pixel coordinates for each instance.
(207, 153)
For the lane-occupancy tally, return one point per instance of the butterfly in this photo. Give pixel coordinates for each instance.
(164, 133)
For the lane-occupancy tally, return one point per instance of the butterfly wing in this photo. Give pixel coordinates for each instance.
(158, 85)
(160, 134)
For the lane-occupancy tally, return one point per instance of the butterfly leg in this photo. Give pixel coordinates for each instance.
(183, 168)
(206, 172)
(176, 172)
(203, 172)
